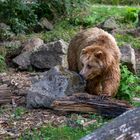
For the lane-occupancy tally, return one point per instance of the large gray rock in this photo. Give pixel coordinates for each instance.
(128, 57)
(42, 56)
(50, 55)
(23, 59)
(109, 24)
(32, 44)
(57, 82)
(124, 127)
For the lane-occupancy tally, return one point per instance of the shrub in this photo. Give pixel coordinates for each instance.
(18, 14)
(131, 14)
(56, 9)
(129, 85)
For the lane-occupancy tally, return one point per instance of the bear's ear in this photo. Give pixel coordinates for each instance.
(84, 51)
(99, 54)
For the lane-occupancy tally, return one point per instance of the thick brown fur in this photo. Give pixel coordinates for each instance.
(95, 54)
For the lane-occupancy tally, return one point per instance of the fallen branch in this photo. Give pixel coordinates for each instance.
(83, 102)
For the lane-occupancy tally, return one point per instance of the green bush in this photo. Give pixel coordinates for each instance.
(131, 14)
(23, 16)
(18, 14)
(56, 9)
(129, 84)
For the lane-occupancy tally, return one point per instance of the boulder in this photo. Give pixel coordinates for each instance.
(56, 83)
(23, 60)
(50, 55)
(32, 44)
(124, 127)
(109, 24)
(128, 57)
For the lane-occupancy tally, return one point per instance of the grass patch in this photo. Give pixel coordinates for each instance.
(126, 16)
(128, 39)
(63, 132)
(62, 30)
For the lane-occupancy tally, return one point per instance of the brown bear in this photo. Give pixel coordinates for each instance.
(94, 53)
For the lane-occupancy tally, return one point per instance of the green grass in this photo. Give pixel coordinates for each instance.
(62, 30)
(126, 16)
(63, 132)
(128, 39)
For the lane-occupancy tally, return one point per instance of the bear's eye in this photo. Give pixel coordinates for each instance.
(89, 66)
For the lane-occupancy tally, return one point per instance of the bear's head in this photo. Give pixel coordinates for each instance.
(95, 61)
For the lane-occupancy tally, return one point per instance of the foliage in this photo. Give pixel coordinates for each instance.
(23, 16)
(97, 14)
(18, 112)
(2, 64)
(62, 30)
(129, 84)
(131, 14)
(18, 14)
(54, 9)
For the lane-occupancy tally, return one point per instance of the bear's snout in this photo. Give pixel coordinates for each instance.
(81, 76)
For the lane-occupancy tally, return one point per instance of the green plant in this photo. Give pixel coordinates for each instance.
(129, 85)
(63, 132)
(2, 64)
(54, 9)
(62, 30)
(18, 14)
(131, 14)
(125, 39)
(18, 112)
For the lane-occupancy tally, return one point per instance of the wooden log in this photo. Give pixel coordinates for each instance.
(5, 94)
(83, 102)
(124, 127)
